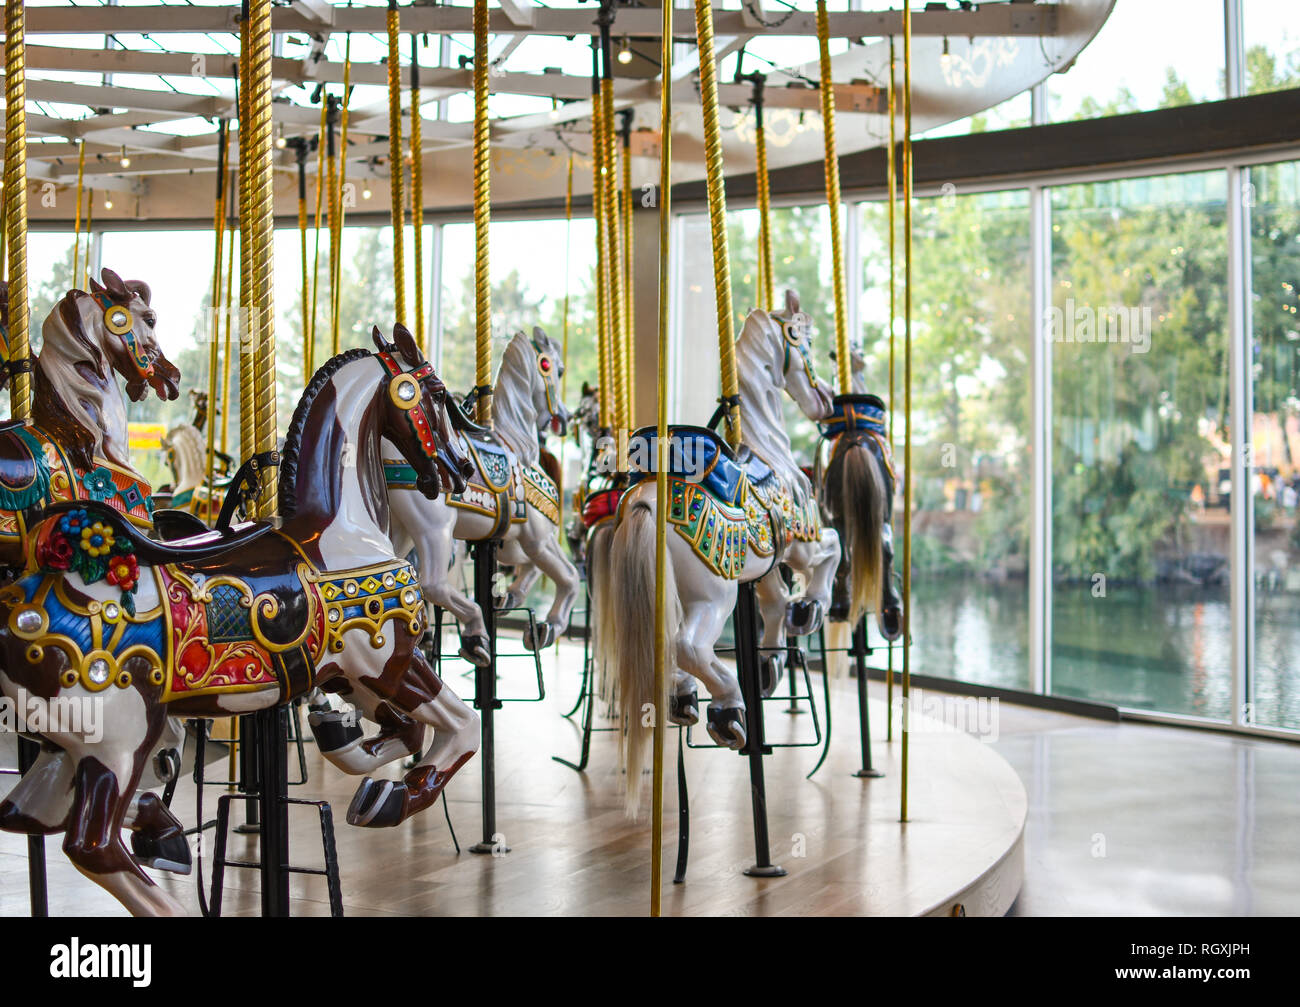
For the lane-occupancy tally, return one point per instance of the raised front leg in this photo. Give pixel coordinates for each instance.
(543, 548)
(773, 600)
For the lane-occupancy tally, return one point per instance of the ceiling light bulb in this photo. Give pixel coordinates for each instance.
(108, 204)
(126, 161)
(624, 53)
(365, 193)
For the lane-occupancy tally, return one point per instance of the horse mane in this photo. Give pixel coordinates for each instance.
(763, 420)
(288, 500)
(514, 417)
(185, 437)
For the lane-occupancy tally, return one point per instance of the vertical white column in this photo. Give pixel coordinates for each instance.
(1040, 529)
(852, 271)
(434, 320)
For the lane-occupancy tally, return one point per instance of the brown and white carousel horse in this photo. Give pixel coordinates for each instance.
(854, 475)
(510, 497)
(76, 447)
(238, 619)
(734, 516)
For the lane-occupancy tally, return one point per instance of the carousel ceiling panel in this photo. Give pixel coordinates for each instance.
(149, 82)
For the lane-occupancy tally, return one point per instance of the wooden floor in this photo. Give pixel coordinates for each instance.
(572, 851)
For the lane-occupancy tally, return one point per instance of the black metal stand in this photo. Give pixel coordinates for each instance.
(485, 696)
(683, 814)
(747, 668)
(272, 799)
(37, 885)
(249, 767)
(860, 651)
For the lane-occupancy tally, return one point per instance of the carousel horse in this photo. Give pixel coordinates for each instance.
(734, 516)
(238, 619)
(509, 497)
(187, 456)
(854, 475)
(76, 447)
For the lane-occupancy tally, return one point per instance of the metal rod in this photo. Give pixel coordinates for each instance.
(485, 695)
(482, 218)
(842, 361)
(15, 194)
(395, 160)
(907, 397)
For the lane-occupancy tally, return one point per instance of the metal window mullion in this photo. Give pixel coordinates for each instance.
(434, 351)
(852, 271)
(1040, 532)
(1242, 590)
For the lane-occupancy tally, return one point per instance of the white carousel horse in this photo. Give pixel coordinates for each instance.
(854, 475)
(187, 456)
(509, 497)
(239, 619)
(734, 517)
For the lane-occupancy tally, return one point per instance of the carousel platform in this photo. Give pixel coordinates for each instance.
(573, 852)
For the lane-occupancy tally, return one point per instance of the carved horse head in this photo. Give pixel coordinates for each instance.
(526, 399)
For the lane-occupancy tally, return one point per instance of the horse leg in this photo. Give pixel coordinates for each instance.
(544, 550)
(526, 575)
(409, 684)
(704, 614)
(773, 599)
(818, 562)
(889, 616)
(39, 803)
(341, 740)
(158, 839)
(435, 546)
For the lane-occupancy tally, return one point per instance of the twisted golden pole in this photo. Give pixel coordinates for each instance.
(629, 306)
(15, 194)
(482, 217)
(892, 173)
(417, 191)
(321, 181)
(395, 161)
(231, 223)
(661, 485)
(340, 205)
(766, 293)
(614, 268)
(76, 225)
(718, 220)
(305, 298)
(833, 202)
(259, 231)
(605, 347)
(907, 393)
(218, 234)
(247, 331)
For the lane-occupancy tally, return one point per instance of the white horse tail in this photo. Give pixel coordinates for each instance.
(863, 514)
(627, 635)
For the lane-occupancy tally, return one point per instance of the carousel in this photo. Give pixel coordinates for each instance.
(330, 602)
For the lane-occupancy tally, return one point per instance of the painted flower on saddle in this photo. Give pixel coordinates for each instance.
(99, 485)
(55, 553)
(124, 571)
(73, 521)
(97, 539)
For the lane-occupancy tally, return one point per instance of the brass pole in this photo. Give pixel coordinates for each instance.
(417, 191)
(598, 151)
(15, 194)
(247, 332)
(259, 230)
(76, 225)
(218, 233)
(395, 161)
(300, 151)
(766, 293)
(629, 303)
(892, 173)
(482, 218)
(231, 222)
(90, 235)
(336, 235)
(833, 201)
(613, 271)
(907, 391)
(321, 182)
(718, 220)
(661, 484)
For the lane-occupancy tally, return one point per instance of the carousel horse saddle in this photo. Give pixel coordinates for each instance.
(192, 549)
(699, 455)
(24, 471)
(854, 412)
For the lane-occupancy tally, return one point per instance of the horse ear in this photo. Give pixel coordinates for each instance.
(405, 343)
(587, 390)
(378, 337)
(96, 287)
(141, 288)
(114, 285)
(791, 302)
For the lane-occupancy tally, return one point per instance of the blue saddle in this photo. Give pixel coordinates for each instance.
(854, 412)
(699, 455)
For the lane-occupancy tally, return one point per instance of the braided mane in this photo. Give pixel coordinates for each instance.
(293, 439)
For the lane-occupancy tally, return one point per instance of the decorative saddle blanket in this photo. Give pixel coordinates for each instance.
(200, 631)
(500, 488)
(860, 416)
(726, 506)
(35, 472)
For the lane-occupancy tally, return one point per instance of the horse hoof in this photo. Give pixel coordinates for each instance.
(511, 599)
(769, 674)
(803, 617)
(474, 649)
(377, 804)
(545, 637)
(169, 851)
(839, 610)
(684, 710)
(727, 726)
(890, 623)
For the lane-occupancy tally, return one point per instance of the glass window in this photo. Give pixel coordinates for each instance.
(1013, 113)
(1149, 54)
(1271, 38)
(1275, 442)
(970, 410)
(1140, 524)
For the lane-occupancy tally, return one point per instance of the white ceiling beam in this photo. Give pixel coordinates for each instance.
(1009, 20)
(520, 13)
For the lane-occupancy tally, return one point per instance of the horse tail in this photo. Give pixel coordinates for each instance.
(863, 515)
(627, 635)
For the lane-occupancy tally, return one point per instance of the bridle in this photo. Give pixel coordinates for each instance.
(793, 339)
(119, 320)
(406, 392)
